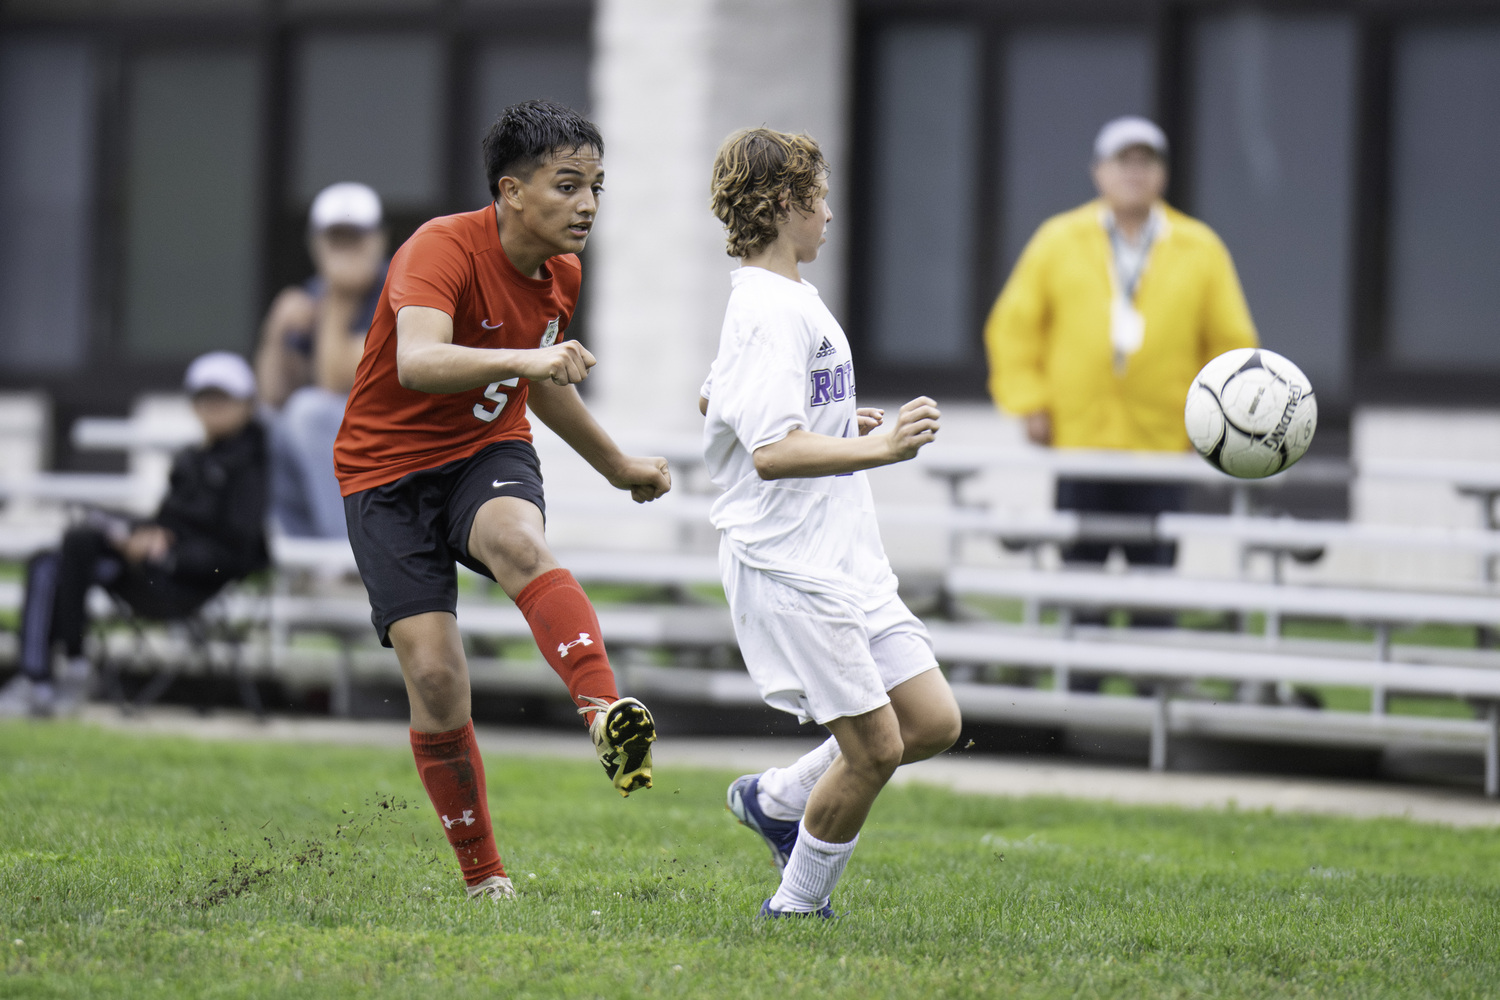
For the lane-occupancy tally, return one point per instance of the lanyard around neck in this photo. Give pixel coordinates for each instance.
(1129, 281)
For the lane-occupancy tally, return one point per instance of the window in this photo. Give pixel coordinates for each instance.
(1058, 87)
(192, 203)
(1445, 203)
(46, 202)
(1272, 167)
(370, 108)
(923, 229)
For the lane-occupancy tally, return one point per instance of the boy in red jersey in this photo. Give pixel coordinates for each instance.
(436, 465)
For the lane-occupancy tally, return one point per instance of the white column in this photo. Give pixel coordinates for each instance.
(671, 78)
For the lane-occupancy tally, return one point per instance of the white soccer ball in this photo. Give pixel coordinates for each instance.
(1251, 413)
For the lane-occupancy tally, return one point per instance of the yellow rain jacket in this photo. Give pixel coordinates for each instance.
(1048, 335)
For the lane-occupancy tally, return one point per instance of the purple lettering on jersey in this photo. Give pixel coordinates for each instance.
(830, 384)
(822, 380)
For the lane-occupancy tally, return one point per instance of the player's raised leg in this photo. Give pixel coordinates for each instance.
(442, 742)
(508, 537)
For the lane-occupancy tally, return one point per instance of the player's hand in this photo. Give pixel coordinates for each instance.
(916, 425)
(870, 417)
(645, 478)
(149, 543)
(565, 363)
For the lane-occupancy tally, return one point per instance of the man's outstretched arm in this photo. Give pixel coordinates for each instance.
(561, 408)
(805, 455)
(428, 360)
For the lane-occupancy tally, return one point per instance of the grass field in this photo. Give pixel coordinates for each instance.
(134, 866)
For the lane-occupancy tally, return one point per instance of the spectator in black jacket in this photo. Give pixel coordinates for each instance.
(209, 531)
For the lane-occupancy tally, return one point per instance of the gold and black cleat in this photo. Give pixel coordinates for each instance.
(623, 732)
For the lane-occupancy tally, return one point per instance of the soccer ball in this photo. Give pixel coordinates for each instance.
(1251, 413)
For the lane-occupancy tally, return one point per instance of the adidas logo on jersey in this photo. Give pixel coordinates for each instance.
(825, 349)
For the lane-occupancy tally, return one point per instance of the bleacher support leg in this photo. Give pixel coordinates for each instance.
(1383, 642)
(1159, 729)
(341, 698)
(1492, 753)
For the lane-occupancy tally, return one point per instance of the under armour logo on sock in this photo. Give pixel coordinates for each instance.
(467, 819)
(582, 640)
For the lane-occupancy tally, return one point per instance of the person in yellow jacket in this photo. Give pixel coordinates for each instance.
(1111, 310)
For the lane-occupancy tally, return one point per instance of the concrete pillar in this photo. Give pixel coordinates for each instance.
(671, 78)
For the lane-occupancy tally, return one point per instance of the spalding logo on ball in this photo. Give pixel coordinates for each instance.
(1251, 413)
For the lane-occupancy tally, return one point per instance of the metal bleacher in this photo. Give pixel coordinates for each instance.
(670, 634)
(1174, 664)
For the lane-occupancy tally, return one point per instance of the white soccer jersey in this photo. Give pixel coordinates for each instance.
(784, 364)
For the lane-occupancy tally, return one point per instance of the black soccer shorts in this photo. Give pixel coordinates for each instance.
(408, 534)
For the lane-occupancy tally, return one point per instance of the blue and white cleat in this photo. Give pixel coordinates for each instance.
(825, 911)
(780, 835)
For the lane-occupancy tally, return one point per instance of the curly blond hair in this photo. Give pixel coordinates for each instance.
(754, 170)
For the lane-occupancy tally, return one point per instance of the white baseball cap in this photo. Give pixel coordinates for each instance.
(222, 370)
(1120, 134)
(345, 204)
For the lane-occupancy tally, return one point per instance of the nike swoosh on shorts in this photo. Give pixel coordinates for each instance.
(509, 482)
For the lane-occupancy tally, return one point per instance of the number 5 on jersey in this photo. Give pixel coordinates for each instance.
(492, 392)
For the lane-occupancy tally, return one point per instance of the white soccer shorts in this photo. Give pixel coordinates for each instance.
(818, 656)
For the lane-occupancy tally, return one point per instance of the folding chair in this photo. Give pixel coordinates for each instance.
(223, 625)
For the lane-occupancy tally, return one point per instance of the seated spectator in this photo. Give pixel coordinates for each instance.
(209, 531)
(310, 346)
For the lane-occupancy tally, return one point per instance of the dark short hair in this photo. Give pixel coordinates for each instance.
(527, 134)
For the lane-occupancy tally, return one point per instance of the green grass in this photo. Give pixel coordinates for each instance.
(134, 866)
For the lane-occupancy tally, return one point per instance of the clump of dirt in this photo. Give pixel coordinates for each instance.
(275, 856)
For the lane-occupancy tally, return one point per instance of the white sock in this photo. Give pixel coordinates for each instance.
(783, 791)
(811, 873)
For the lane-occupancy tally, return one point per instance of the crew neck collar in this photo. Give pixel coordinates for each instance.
(750, 272)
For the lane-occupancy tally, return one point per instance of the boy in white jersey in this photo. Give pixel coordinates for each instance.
(813, 597)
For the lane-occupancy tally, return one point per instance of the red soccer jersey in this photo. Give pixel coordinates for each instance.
(456, 264)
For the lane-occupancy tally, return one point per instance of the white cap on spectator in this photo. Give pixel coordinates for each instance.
(1120, 134)
(222, 370)
(345, 204)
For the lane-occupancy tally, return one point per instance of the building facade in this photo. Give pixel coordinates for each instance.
(157, 158)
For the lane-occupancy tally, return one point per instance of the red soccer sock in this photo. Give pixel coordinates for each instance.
(453, 774)
(567, 632)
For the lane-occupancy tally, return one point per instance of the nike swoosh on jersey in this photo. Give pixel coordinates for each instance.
(486, 324)
(509, 482)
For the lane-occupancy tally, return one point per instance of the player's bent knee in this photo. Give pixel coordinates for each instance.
(514, 554)
(516, 557)
(881, 757)
(934, 736)
(436, 682)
